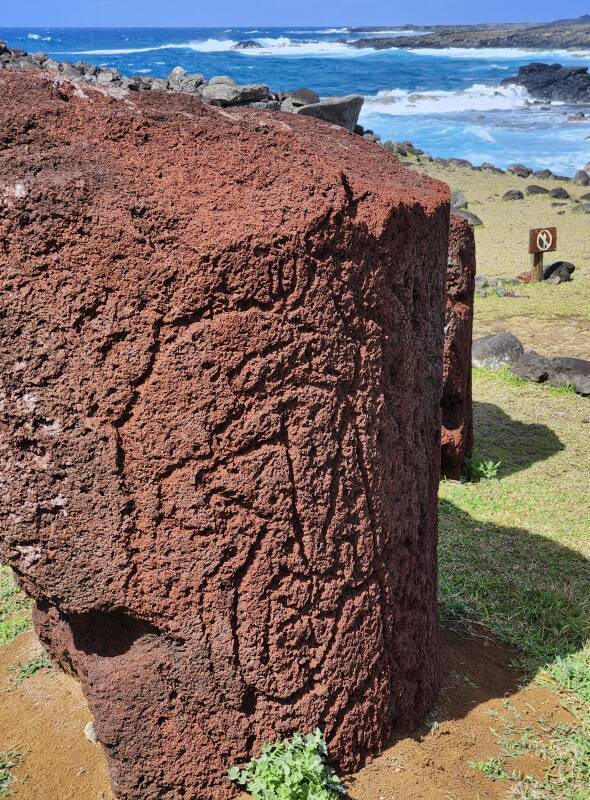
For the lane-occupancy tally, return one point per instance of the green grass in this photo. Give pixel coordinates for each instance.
(26, 669)
(9, 760)
(514, 558)
(15, 608)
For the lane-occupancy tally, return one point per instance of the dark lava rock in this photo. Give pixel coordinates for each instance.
(458, 200)
(303, 96)
(564, 269)
(520, 170)
(544, 174)
(249, 44)
(220, 433)
(582, 178)
(472, 218)
(560, 193)
(491, 168)
(570, 372)
(513, 194)
(456, 403)
(531, 367)
(496, 350)
(583, 208)
(553, 82)
(224, 94)
(534, 189)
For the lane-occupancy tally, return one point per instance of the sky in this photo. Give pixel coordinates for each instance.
(267, 13)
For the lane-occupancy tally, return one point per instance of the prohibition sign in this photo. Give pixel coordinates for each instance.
(544, 240)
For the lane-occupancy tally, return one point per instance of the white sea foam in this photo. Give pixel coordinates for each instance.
(269, 46)
(499, 52)
(479, 97)
(284, 46)
(36, 37)
(206, 46)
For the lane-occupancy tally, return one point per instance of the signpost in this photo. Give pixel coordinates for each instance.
(541, 240)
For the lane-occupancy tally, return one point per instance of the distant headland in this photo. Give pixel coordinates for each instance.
(562, 34)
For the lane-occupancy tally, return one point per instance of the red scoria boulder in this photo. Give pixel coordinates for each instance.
(457, 408)
(221, 342)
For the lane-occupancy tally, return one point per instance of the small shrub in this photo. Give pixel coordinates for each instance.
(292, 769)
(488, 470)
(481, 470)
(8, 761)
(26, 669)
(492, 768)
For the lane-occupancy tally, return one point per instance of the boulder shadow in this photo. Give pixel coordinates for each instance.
(511, 602)
(516, 444)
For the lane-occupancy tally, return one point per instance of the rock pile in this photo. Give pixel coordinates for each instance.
(504, 350)
(220, 90)
(456, 404)
(222, 337)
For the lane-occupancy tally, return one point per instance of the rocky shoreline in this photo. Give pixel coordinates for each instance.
(220, 90)
(563, 34)
(344, 111)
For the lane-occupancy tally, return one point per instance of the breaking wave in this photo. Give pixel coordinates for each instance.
(479, 97)
(36, 37)
(281, 45)
(511, 53)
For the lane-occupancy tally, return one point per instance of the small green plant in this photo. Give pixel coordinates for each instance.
(474, 471)
(488, 470)
(9, 760)
(15, 608)
(492, 768)
(26, 669)
(292, 769)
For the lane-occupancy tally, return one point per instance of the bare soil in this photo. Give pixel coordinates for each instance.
(44, 719)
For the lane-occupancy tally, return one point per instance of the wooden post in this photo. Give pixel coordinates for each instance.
(537, 267)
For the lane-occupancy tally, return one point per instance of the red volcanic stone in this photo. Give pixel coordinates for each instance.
(221, 365)
(457, 407)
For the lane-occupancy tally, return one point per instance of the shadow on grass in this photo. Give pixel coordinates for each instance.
(516, 444)
(529, 591)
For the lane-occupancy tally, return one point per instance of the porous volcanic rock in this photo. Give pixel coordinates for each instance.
(222, 337)
(457, 407)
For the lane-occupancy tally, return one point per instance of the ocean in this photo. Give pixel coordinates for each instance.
(449, 102)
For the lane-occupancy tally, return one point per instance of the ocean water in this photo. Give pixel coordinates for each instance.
(448, 102)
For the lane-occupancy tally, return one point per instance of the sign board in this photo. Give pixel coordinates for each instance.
(542, 240)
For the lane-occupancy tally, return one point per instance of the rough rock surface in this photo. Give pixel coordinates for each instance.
(531, 367)
(343, 111)
(496, 350)
(566, 371)
(457, 407)
(220, 430)
(553, 82)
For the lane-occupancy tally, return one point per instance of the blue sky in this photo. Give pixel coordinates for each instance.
(276, 12)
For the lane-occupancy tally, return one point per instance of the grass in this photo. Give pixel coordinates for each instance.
(27, 669)
(15, 608)
(9, 760)
(514, 558)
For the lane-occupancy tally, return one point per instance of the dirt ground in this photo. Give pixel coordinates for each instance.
(46, 714)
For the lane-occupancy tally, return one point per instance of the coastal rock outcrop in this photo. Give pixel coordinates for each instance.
(553, 82)
(219, 90)
(456, 404)
(221, 342)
